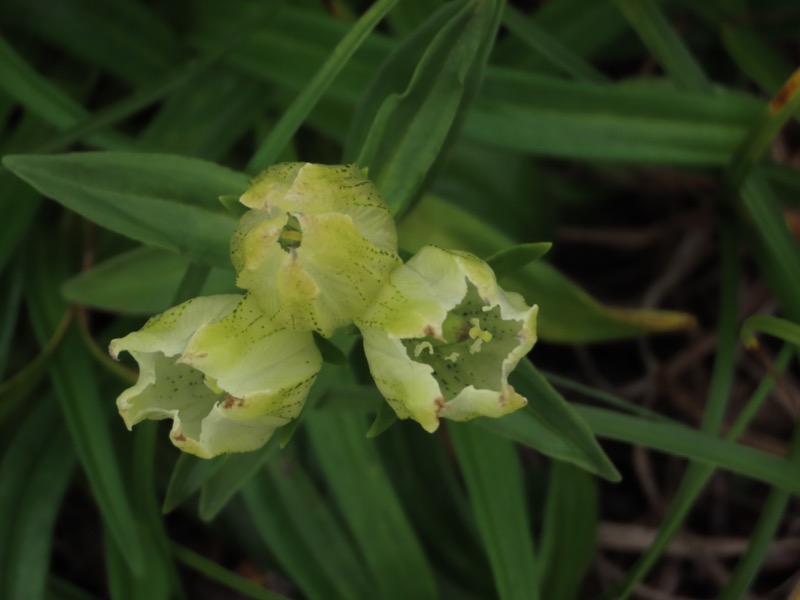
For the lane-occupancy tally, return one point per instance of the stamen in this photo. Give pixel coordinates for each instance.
(479, 335)
(422, 346)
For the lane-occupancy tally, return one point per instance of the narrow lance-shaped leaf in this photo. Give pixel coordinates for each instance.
(410, 130)
(497, 493)
(142, 196)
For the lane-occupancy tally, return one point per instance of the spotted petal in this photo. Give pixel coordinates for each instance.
(317, 245)
(442, 337)
(197, 367)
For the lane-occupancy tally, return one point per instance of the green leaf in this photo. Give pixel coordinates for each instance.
(549, 48)
(763, 130)
(762, 63)
(495, 484)
(34, 524)
(772, 243)
(19, 205)
(83, 410)
(680, 440)
(646, 18)
(188, 476)
(21, 81)
(298, 41)
(383, 420)
(107, 33)
(722, 377)
(222, 484)
(771, 515)
(642, 123)
(569, 529)
(296, 523)
(550, 425)
(280, 135)
(331, 353)
(207, 115)
(410, 130)
(585, 27)
(36, 467)
(142, 196)
(142, 281)
(508, 261)
(566, 313)
(389, 548)
(396, 70)
(779, 328)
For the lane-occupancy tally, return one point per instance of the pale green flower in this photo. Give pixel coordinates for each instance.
(225, 373)
(317, 245)
(442, 337)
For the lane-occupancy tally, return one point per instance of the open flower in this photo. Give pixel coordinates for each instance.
(317, 245)
(225, 373)
(442, 337)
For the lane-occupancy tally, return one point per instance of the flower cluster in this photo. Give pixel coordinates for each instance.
(316, 251)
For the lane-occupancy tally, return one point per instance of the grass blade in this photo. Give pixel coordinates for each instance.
(697, 475)
(646, 18)
(773, 117)
(280, 135)
(550, 425)
(549, 48)
(107, 33)
(142, 281)
(309, 543)
(767, 526)
(84, 412)
(21, 82)
(411, 130)
(26, 571)
(569, 529)
(143, 196)
(370, 506)
(494, 481)
(689, 443)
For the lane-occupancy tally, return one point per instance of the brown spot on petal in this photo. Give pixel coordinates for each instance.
(440, 404)
(179, 437)
(231, 401)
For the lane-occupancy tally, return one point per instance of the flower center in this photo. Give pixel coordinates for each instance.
(476, 342)
(291, 234)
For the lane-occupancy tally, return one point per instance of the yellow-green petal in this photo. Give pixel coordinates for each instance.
(317, 245)
(226, 374)
(442, 337)
(264, 368)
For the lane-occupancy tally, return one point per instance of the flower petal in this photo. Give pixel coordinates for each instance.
(442, 337)
(408, 386)
(318, 245)
(226, 374)
(264, 368)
